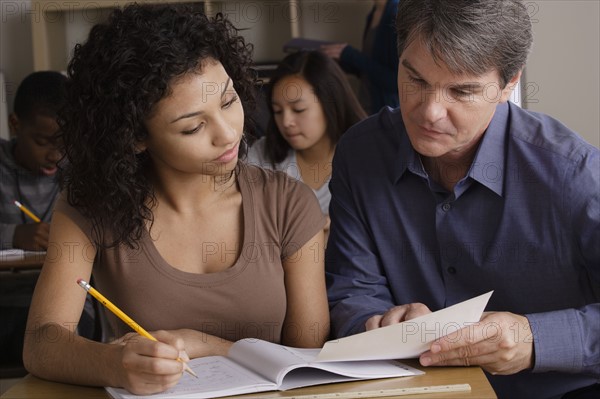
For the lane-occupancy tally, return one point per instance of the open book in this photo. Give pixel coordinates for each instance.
(253, 365)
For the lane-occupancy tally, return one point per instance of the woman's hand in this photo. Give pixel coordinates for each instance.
(151, 366)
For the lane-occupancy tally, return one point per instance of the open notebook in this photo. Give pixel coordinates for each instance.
(253, 365)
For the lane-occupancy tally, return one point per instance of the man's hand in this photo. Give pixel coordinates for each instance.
(501, 343)
(32, 236)
(397, 314)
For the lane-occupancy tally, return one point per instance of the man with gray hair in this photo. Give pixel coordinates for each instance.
(459, 192)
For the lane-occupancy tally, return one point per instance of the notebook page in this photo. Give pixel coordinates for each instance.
(217, 376)
(269, 359)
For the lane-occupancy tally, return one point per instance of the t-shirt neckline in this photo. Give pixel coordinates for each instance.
(217, 278)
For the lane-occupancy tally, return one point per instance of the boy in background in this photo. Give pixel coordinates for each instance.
(28, 166)
(28, 162)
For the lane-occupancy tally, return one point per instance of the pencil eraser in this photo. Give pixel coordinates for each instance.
(79, 280)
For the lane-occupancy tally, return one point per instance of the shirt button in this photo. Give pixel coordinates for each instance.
(451, 270)
(446, 207)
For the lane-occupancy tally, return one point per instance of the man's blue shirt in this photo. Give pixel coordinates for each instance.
(524, 222)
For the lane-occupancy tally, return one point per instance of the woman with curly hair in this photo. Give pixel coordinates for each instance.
(157, 208)
(312, 105)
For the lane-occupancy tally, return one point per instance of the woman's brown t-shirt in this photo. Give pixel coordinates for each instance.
(248, 300)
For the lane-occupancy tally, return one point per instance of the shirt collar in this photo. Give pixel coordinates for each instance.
(488, 165)
(407, 158)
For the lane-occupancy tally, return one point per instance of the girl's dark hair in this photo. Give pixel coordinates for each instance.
(331, 87)
(115, 79)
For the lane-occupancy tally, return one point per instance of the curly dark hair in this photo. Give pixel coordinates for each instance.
(116, 77)
(339, 103)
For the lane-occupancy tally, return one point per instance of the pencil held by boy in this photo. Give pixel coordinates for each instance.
(28, 162)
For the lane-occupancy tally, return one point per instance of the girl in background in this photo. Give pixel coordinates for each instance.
(312, 105)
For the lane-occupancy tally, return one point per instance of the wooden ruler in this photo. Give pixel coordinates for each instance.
(382, 393)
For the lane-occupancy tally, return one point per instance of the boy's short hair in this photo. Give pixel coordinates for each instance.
(40, 93)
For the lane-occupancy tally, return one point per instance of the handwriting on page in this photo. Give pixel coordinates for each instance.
(214, 374)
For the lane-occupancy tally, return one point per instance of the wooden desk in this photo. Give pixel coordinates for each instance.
(34, 388)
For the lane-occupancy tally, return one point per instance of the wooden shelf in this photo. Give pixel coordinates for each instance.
(58, 25)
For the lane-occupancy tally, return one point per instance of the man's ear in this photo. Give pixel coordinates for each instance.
(13, 124)
(510, 86)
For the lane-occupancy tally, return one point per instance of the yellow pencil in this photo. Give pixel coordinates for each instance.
(27, 212)
(119, 313)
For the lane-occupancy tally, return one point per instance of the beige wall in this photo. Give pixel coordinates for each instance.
(16, 60)
(562, 77)
(268, 25)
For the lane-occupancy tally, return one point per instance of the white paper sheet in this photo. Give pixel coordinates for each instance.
(408, 339)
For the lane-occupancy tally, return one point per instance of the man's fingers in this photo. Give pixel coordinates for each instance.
(493, 343)
(482, 361)
(466, 336)
(373, 322)
(486, 357)
(397, 314)
(416, 310)
(461, 356)
(393, 316)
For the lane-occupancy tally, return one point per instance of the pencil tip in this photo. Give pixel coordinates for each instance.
(190, 371)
